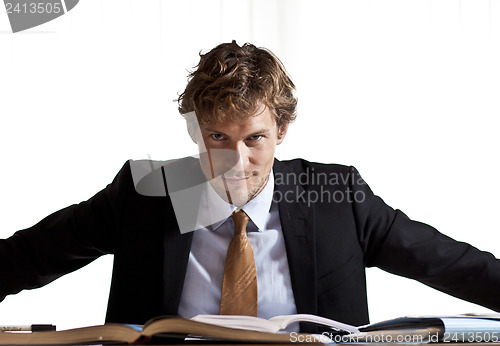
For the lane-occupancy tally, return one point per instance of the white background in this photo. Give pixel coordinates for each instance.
(406, 91)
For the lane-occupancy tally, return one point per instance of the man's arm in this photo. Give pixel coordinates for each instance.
(62, 242)
(416, 250)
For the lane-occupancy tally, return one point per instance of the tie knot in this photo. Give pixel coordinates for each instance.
(240, 219)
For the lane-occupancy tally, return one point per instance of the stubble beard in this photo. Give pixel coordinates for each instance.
(239, 195)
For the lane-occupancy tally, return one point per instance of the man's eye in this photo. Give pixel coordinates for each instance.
(217, 136)
(256, 137)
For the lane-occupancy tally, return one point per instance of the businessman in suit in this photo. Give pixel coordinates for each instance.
(313, 227)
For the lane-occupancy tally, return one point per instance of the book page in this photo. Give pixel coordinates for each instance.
(284, 321)
(274, 324)
(240, 322)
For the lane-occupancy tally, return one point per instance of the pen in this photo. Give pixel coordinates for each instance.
(28, 328)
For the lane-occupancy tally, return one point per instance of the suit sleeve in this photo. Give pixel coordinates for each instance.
(64, 241)
(393, 242)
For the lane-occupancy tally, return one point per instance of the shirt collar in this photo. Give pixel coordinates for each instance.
(214, 211)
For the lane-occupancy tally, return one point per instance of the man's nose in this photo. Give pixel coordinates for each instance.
(241, 159)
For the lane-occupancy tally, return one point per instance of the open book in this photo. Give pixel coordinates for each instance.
(463, 328)
(235, 328)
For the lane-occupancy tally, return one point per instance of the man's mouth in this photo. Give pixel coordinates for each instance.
(236, 180)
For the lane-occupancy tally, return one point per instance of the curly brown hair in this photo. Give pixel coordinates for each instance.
(235, 82)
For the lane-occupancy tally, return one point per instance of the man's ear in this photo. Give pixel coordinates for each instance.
(282, 130)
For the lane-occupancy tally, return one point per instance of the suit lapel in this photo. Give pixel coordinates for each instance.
(180, 176)
(297, 221)
(176, 254)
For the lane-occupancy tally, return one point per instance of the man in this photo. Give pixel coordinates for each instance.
(313, 227)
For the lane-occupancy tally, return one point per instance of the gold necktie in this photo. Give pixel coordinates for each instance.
(239, 285)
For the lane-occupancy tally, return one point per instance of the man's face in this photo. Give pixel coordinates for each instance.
(237, 156)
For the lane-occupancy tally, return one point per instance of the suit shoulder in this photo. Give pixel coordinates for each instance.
(301, 165)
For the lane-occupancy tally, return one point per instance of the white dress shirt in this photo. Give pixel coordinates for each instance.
(202, 286)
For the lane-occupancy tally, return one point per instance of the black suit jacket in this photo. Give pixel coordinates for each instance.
(333, 225)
